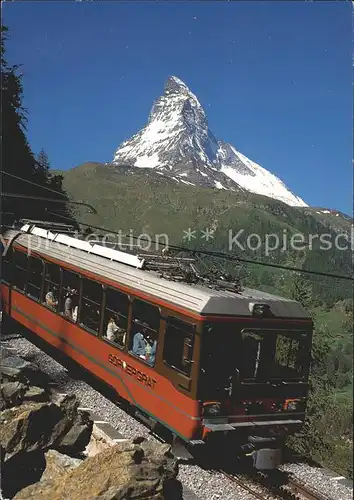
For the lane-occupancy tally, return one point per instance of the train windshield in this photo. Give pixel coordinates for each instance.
(257, 355)
(269, 355)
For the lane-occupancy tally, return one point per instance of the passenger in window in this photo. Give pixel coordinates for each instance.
(114, 333)
(50, 299)
(120, 332)
(70, 304)
(75, 313)
(75, 297)
(150, 351)
(139, 343)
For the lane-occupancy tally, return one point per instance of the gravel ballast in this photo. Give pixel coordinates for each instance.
(206, 485)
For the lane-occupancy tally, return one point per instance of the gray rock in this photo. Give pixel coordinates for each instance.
(15, 368)
(34, 393)
(121, 472)
(29, 430)
(37, 426)
(12, 394)
(159, 455)
(36, 468)
(57, 465)
(78, 435)
(29, 427)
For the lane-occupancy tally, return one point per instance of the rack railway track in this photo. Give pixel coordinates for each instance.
(289, 489)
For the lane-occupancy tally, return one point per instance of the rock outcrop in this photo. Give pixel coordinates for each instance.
(43, 438)
(124, 471)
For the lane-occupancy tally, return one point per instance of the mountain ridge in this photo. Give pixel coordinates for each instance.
(177, 140)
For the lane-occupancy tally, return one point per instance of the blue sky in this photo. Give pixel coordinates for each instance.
(275, 79)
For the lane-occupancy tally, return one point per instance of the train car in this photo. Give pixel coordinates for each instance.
(214, 367)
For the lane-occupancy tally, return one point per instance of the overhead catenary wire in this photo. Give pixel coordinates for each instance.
(312, 282)
(174, 247)
(32, 183)
(219, 254)
(65, 200)
(51, 200)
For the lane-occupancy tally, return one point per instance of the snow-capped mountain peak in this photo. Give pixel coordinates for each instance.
(178, 142)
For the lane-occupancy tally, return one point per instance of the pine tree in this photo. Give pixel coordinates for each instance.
(18, 158)
(42, 164)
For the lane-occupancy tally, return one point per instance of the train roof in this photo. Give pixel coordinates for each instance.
(197, 298)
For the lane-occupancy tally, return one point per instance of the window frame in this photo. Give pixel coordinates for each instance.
(29, 274)
(143, 324)
(63, 289)
(53, 284)
(290, 333)
(106, 290)
(80, 306)
(189, 332)
(7, 264)
(25, 254)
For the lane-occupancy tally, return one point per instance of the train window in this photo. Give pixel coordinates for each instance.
(51, 285)
(116, 317)
(274, 355)
(287, 354)
(146, 314)
(90, 311)
(6, 265)
(69, 294)
(178, 347)
(145, 327)
(20, 270)
(34, 281)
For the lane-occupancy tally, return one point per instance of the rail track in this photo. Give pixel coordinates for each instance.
(287, 488)
(241, 482)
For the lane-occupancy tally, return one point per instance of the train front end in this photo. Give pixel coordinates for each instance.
(254, 384)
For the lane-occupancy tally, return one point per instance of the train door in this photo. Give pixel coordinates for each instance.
(177, 356)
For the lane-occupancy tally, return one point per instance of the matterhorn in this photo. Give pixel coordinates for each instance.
(177, 142)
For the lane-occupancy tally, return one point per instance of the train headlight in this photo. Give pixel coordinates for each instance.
(212, 410)
(260, 310)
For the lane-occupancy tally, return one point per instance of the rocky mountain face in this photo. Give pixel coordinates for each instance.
(177, 142)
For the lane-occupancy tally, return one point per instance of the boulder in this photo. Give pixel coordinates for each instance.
(20, 470)
(39, 426)
(38, 394)
(58, 465)
(159, 455)
(14, 368)
(121, 472)
(78, 436)
(75, 429)
(12, 394)
(35, 467)
(29, 430)
(29, 427)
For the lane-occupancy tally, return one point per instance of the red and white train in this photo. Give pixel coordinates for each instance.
(230, 369)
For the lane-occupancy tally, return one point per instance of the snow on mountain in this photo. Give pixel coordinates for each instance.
(177, 141)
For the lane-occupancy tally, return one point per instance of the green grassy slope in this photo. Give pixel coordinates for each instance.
(146, 202)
